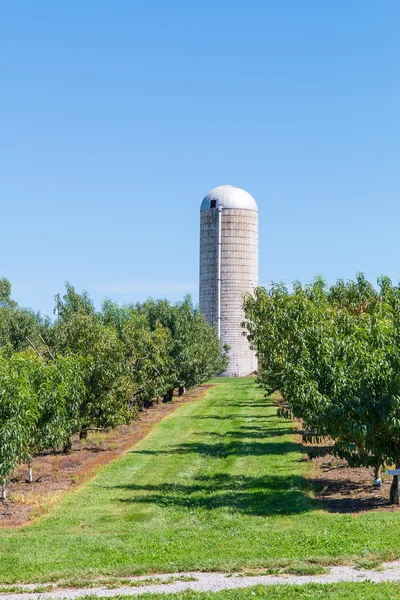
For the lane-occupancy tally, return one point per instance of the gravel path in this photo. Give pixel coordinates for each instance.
(213, 582)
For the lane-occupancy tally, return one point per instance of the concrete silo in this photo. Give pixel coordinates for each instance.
(229, 268)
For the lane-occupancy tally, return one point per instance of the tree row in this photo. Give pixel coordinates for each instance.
(334, 354)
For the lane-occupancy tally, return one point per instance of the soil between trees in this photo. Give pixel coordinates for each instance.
(54, 474)
(342, 489)
(338, 487)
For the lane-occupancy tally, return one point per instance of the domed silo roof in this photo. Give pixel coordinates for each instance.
(228, 196)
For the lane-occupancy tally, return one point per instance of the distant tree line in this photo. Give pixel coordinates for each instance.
(334, 354)
(92, 369)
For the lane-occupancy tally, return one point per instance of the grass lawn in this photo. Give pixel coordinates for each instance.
(218, 484)
(340, 591)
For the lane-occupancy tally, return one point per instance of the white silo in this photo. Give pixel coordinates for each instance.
(229, 268)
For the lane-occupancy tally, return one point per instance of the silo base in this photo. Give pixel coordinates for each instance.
(244, 369)
(226, 374)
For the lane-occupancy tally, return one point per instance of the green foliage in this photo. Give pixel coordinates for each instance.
(5, 293)
(104, 402)
(147, 360)
(334, 353)
(39, 403)
(18, 411)
(59, 387)
(195, 351)
(19, 327)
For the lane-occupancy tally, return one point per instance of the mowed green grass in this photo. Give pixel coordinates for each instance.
(340, 591)
(218, 484)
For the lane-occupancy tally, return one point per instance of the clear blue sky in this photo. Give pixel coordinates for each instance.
(117, 117)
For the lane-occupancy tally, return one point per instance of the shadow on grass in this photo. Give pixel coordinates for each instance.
(259, 496)
(260, 433)
(230, 417)
(226, 449)
(266, 404)
(266, 495)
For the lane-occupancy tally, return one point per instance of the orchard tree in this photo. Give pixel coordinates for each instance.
(147, 361)
(196, 352)
(199, 353)
(18, 413)
(59, 388)
(81, 332)
(334, 353)
(5, 294)
(39, 404)
(20, 328)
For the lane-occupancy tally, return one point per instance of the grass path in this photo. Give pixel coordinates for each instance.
(217, 485)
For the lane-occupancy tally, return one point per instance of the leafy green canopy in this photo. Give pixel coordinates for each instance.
(195, 352)
(334, 353)
(39, 403)
(19, 327)
(146, 352)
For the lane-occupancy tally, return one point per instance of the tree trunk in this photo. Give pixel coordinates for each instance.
(30, 476)
(4, 490)
(182, 390)
(67, 446)
(168, 396)
(83, 433)
(377, 478)
(394, 488)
